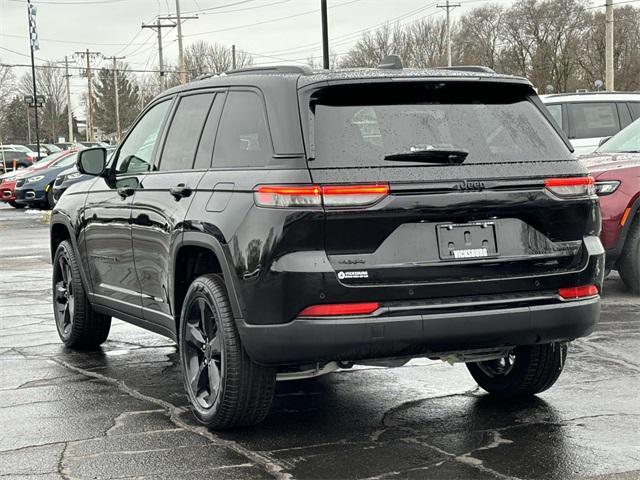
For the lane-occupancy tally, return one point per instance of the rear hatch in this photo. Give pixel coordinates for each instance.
(480, 184)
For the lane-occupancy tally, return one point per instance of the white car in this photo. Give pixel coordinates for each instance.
(587, 118)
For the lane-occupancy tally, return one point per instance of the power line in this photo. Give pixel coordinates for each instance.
(80, 69)
(238, 27)
(83, 2)
(346, 37)
(71, 42)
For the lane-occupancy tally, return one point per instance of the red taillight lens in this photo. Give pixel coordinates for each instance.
(283, 196)
(331, 196)
(570, 293)
(353, 195)
(338, 309)
(571, 186)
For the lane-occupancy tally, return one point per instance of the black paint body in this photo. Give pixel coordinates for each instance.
(276, 262)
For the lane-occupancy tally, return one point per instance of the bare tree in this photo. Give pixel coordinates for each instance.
(203, 58)
(626, 49)
(50, 83)
(7, 86)
(480, 37)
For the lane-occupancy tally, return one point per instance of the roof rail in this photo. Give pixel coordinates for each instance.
(302, 69)
(469, 68)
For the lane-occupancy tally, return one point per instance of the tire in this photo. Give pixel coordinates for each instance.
(77, 324)
(16, 205)
(629, 261)
(234, 391)
(526, 371)
(50, 201)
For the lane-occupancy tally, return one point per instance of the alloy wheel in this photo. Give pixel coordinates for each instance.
(202, 353)
(500, 367)
(64, 298)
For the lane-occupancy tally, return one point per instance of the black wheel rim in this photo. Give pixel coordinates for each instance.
(63, 296)
(500, 367)
(202, 353)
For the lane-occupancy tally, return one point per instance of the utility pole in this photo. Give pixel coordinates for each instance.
(233, 57)
(28, 124)
(87, 56)
(34, 45)
(158, 26)
(183, 74)
(609, 75)
(117, 94)
(69, 111)
(325, 35)
(448, 7)
(178, 19)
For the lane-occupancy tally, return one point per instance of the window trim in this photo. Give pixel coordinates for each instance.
(167, 127)
(116, 156)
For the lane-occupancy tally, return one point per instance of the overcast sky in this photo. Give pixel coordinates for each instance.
(270, 30)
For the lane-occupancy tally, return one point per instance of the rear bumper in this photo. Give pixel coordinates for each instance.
(353, 338)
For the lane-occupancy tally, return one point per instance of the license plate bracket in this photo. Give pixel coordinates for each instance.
(467, 241)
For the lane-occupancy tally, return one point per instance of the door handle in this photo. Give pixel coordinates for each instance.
(125, 192)
(180, 191)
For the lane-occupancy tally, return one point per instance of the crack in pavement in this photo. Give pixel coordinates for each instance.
(270, 465)
(62, 471)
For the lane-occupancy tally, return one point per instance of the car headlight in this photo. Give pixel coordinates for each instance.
(73, 175)
(37, 178)
(607, 188)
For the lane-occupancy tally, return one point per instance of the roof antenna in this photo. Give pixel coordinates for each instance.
(391, 62)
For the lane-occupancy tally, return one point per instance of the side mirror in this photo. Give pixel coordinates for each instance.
(92, 161)
(603, 140)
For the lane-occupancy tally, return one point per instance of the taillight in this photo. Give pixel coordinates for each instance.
(331, 196)
(283, 196)
(570, 186)
(571, 293)
(353, 195)
(340, 309)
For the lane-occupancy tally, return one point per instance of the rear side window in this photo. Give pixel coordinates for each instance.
(591, 120)
(635, 109)
(366, 125)
(243, 138)
(184, 133)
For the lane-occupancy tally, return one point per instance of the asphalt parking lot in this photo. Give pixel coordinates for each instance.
(121, 412)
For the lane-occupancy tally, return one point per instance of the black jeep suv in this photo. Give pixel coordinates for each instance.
(279, 223)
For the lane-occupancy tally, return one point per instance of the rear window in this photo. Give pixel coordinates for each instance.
(357, 126)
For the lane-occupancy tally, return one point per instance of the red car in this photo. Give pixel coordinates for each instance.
(8, 180)
(615, 165)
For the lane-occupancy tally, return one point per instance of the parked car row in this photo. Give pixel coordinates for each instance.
(15, 157)
(41, 184)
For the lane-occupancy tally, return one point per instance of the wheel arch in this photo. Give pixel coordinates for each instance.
(632, 218)
(199, 254)
(60, 231)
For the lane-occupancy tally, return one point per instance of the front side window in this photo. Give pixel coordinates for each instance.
(135, 153)
(184, 133)
(592, 120)
(243, 138)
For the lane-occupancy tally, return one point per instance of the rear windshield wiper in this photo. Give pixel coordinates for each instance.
(429, 156)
